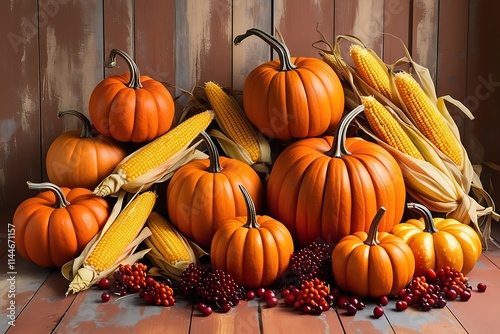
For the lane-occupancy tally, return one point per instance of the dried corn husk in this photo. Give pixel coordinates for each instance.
(437, 183)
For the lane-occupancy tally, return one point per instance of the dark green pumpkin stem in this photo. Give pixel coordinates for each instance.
(135, 75)
(86, 126)
(372, 238)
(425, 214)
(251, 214)
(213, 154)
(338, 148)
(280, 48)
(61, 201)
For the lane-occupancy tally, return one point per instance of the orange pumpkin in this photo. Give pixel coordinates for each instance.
(292, 97)
(372, 264)
(202, 194)
(437, 243)
(131, 107)
(327, 188)
(254, 250)
(54, 227)
(82, 159)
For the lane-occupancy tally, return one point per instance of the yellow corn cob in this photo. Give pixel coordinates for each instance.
(121, 232)
(387, 128)
(427, 117)
(232, 120)
(166, 239)
(155, 153)
(371, 70)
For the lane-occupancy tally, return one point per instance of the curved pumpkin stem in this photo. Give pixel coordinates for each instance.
(251, 214)
(372, 238)
(338, 148)
(425, 214)
(213, 153)
(135, 75)
(280, 48)
(61, 201)
(86, 126)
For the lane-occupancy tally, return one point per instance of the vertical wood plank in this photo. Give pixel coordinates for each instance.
(397, 20)
(425, 34)
(297, 21)
(250, 53)
(20, 159)
(69, 68)
(203, 42)
(118, 17)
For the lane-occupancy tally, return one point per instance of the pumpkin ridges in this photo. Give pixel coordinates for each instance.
(35, 235)
(380, 281)
(62, 237)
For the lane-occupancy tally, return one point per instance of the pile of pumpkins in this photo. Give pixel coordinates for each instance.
(324, 186)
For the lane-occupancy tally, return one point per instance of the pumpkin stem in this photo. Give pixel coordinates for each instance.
(251, 214)
(135, 75)
(213, 154)
(425, 214)
(372, 238)
(61, 201)
(280, 48)
(338, 148)
(86, 126)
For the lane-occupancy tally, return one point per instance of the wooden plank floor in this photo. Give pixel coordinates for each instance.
(41, 307)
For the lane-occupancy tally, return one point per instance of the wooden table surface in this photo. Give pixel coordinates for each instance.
(41, 307)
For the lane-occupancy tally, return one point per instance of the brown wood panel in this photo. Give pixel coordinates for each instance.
(397, 29)
(19, 102)
(298, 20)
(118, 20)
(69, 68)
(250, 53)
(424, 43)
(203, 43)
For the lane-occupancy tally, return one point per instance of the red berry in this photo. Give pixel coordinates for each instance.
(200, 306)
(465, 295)
(290, 299)
(260, 292)
(206, 311)
(268, 294)
(150, 281)
(105, 297)
(250, 294)
(481, 287)
(430, 274)
(351, 309)
(451, 294)
(378, 311)
(285, 292)
(225, 308)
(401, 305)
(343, 301)
(271, 301)
(383, 300)
(104, 284)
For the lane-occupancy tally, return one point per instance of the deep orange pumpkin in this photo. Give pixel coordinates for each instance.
(131, 107)
(254, 250)
(327, 188)
(82, 159)
(437, 243)
(292, 97)
(203, 194)
(54, 227)
(372, 264)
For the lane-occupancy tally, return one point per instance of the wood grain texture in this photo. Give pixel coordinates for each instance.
(397, 29)
(425, 34)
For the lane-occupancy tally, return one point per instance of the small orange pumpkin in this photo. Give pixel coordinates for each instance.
(131, 107)
(54, 227)
(82, 159)
(254, 249)
(203, 194)
(372, 264)
(292, 97)
(437, 243)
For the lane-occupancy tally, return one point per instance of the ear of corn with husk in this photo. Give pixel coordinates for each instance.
(114, 245)
(444, 178)
(170, 251)
(156, 161)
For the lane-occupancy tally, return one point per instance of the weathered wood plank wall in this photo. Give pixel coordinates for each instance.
(53, 52)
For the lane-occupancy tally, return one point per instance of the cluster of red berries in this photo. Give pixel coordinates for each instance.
(314, 261)
(311, 297)
(132, 279)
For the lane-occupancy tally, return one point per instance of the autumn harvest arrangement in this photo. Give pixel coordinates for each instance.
(324, 181)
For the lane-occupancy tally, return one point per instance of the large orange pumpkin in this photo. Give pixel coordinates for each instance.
(438, 243)
(131, 107)
(327, 188)
(54, 227)
(254, 250)
(203, 194)
(292, 97)
(372, 264)
(82, 159)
